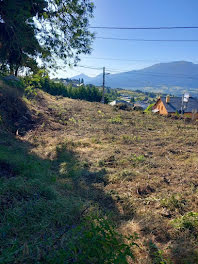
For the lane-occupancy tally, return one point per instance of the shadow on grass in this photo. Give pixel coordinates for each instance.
(41, 199)
(81, 181)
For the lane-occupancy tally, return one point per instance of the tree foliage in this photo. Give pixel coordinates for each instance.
(42, 81)
(45, 29)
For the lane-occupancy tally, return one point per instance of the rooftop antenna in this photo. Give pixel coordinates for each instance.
(185, 100)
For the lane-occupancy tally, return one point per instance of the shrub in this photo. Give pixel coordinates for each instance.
(149, 108)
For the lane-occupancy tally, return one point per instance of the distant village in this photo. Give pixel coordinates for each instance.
(73, 82)
(161, 103)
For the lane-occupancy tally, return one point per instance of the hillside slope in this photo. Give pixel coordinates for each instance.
(139, 168)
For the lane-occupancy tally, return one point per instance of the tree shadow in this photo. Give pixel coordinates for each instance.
(41, 199)
(87, 184)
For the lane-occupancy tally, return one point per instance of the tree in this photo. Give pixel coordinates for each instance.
(132, 100)
(45, 29)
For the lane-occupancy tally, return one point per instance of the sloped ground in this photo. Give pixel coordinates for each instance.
(140, 168)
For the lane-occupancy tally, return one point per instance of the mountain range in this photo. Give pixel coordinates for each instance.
(174, 77)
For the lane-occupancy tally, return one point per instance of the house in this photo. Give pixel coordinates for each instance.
(116, 102)
(172, 105)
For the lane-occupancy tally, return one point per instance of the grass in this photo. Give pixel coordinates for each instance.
(140, 170)
(42, 201)
(30, 203)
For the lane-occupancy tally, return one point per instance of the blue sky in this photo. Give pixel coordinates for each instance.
(126, 55)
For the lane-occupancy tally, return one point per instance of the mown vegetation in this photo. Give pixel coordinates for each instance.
(50, 212)
(80, 174)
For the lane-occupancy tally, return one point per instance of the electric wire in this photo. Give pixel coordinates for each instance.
(114, 59)
(89, 67)
(149, 40)
(124, 60)
(145, 28)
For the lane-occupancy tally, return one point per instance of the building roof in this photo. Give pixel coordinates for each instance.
(141, 104)
(119, 102)
(175, 104)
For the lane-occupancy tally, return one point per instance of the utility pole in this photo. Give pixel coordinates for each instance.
(103, 86)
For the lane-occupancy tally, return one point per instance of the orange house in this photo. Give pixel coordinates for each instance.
(172, 105)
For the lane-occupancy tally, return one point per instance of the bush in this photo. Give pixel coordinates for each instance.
(149, 108)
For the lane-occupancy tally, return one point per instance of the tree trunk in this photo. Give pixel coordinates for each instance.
(11, 70)
(16, 71)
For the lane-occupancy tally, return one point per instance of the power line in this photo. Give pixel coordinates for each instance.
(89, 67)
(98, 58)
(150, 40)
(114, 59)
(145, 28)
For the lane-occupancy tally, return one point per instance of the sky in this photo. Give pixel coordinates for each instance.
(121, 56)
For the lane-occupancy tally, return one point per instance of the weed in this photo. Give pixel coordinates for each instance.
(137, 159)
(188, 221)
(116, 120)
(174, 202)
(101, 113)
(127, 175)
(97, 241)
(95, 140)
(127, 139)
(73, 120)
(101, 163)
(157, 254)
(123, 162)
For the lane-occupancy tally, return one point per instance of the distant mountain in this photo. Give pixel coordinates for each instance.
(174, 77)
(82, 76)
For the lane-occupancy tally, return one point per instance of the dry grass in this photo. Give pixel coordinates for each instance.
(150, 166)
